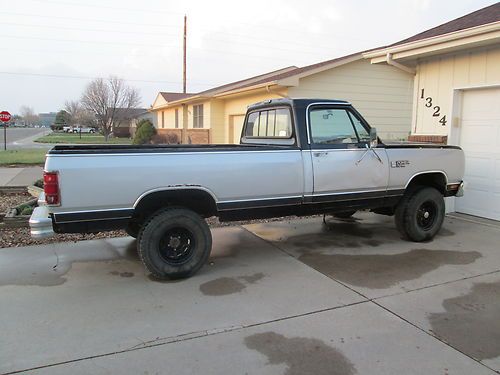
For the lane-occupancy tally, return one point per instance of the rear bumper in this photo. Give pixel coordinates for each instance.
(41, 223)
(455, 189)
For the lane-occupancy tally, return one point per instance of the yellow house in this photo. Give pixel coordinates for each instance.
(456, 98)
(382, 93)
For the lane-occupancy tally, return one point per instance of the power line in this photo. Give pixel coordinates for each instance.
(81, 28)
(173, 35)
(105, 7)
(90, 77)
(84, 41)
(89, 20)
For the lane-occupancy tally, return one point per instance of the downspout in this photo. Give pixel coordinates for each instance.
(390, 61)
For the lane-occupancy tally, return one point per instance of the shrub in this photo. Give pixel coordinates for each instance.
(28, 210)
(38, 183)
(144, 133)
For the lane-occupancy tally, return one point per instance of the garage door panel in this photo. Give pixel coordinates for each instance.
(480, 140)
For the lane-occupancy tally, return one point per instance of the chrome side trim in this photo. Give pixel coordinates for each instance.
(427, 172)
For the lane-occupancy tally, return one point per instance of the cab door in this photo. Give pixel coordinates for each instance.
(344, 166)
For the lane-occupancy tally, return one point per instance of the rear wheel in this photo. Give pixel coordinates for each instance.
(420, 214)
(174, 243)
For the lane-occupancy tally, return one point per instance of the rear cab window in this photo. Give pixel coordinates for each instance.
(269, 126)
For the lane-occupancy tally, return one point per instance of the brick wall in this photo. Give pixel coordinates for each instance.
(441, 139)
(193, 136)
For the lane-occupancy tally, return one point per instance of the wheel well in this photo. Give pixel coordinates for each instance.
(197, 200)
(435, 179)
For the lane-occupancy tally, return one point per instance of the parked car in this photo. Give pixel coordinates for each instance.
(295, 157)
(67, 129)
(80, 129)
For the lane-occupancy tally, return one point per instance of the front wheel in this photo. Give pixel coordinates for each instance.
(420, 214)
(174, 243)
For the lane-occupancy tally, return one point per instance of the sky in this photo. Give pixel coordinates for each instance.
(51, 49)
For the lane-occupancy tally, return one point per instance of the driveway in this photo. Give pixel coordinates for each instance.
(294, 297)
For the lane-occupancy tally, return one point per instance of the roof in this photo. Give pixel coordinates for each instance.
(173, 96)
(128, 113)
(273, 76)
(266, 77)
(480, 17)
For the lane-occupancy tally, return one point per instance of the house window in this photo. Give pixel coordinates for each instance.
(198, 116)
(162, 119)
(176, 118)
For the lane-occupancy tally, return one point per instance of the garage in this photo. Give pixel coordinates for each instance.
(236, 126)
(480, 140)
(457, 99)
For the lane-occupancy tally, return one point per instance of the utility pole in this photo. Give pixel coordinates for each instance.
(184, 53)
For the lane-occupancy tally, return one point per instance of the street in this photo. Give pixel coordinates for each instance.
(290, 297)
(23, 137)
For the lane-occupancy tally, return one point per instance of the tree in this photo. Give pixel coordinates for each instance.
(62, 119)
(74, 110)
(28, 114)
(104, 98)
(144, 132)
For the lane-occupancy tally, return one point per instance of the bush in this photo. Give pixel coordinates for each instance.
(144, 133)
(38, 183)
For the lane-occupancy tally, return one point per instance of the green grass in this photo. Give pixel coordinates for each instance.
(86, 139)
(23, 156)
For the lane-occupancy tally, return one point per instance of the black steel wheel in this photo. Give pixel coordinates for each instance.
(420, 214)
(174, 243)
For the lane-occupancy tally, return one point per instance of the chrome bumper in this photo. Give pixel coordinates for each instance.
(41, 223)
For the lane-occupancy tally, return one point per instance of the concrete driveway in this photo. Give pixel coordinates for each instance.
(294, 297)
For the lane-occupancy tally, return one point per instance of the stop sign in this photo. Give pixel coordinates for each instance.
(5, 116)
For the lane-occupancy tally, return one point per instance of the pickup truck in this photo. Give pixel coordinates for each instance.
(296, 157)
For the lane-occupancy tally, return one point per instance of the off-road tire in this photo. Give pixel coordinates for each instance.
(420, 214)
(344, 214)
(168, 232)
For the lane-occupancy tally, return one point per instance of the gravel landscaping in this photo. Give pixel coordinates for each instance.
(18, 237)
(8, 201)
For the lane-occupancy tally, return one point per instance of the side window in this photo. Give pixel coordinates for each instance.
(331, 126)
(363, 135)
(272, 123)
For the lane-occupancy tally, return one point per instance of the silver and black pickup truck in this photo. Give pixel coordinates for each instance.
(295, 157)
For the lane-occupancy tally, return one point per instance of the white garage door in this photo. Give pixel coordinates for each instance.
(237, 127)
(480, 139)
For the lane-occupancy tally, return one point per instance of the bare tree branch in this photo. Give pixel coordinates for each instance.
(105, 98)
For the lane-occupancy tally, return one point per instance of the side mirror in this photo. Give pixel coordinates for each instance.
(373, 138)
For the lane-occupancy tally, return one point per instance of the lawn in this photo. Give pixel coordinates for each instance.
(85, 139)
(23, 156)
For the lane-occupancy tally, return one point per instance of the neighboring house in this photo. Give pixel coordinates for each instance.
(125, 120)
(382, 93)
(456, 98)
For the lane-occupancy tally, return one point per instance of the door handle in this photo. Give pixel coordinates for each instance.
(320, 154)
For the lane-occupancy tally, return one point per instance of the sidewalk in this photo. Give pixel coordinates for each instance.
(20, 176)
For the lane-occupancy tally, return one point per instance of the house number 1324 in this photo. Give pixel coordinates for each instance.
(435, 108)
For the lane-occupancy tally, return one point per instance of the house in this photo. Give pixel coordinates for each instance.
(456, 98)
(125, 120)
(382, 93)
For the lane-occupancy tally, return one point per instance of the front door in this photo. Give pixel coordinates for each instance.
(344, 167)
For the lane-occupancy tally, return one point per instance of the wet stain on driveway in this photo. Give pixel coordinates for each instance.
(471, 322)
(383, 271)
(302, 355)
(229, 285)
